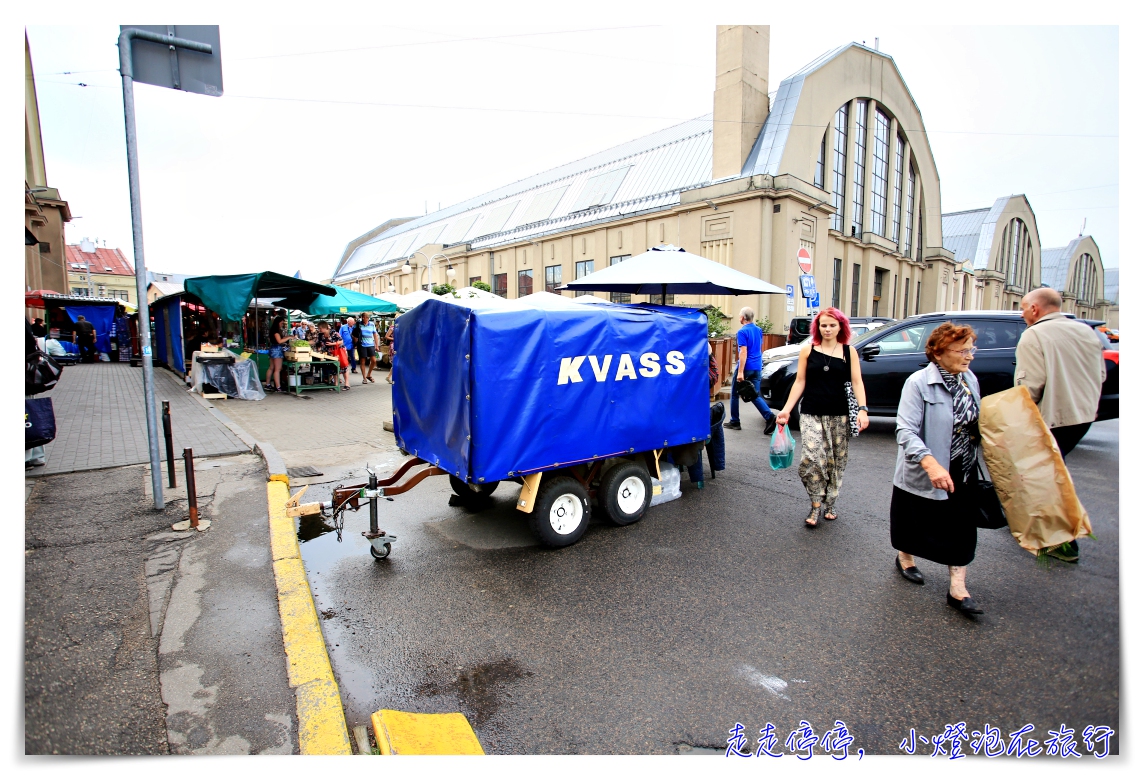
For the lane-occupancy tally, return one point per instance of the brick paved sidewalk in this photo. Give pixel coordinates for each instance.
(100, 419)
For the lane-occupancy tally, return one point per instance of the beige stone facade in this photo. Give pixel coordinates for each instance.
(44, 211)
(1077, 273)
(836, 162)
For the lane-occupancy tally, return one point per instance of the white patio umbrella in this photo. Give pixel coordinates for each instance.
(669, 269)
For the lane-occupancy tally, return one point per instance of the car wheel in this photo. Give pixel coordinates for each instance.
(625, 493)
(561, 513)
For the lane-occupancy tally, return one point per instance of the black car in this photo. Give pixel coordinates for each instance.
(800, 326)
(892, 352)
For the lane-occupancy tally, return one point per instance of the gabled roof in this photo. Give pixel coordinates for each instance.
(167, 288)
(102, 261)
(1055, 264)
(647, 173)
(766, 155)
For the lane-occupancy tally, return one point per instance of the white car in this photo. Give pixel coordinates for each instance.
(790, 350)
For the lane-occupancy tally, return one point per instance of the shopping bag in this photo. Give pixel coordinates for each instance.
(39, 422)
(782, 448)
(1029, 473)
(343, 358)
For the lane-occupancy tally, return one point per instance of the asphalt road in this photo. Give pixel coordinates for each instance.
(719, 608)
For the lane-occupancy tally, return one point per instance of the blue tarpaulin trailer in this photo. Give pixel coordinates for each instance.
(574, 402)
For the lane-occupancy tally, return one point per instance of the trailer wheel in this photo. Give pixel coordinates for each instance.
(380, 555)
(625, 493)
(561, 512)
(465, 490)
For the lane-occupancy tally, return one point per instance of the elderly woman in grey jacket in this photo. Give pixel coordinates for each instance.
(931, 512)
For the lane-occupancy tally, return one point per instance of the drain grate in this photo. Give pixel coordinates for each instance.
(303, 471)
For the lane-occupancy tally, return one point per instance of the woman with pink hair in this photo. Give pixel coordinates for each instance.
(825, 365)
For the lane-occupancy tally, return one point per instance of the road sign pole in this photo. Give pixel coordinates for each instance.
(140, 268)
(125, 70)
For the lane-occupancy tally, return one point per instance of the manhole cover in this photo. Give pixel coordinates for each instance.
(303, 471)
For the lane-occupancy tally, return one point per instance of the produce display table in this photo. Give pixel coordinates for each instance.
(323, 371)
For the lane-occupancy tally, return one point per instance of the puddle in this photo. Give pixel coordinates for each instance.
(683, 749)
(481, 689)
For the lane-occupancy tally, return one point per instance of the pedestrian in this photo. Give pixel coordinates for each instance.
(391, 341)
(38, 329)
(278, 342)
(936, 471)
(825, 364)
(355, 338)
(346, 332)
(85, 336)
(330, 343)
(367, 351)
(1061, 362)
(749, 368)
(300, 330)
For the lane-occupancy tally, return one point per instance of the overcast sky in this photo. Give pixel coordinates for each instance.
(325, 132)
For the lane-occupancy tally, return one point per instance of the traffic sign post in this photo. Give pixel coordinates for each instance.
(159, 55)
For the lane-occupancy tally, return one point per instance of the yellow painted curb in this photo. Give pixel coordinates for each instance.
(321, 718)
(424, 734)
(283, 478)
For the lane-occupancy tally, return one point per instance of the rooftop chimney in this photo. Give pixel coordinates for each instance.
(741, 104)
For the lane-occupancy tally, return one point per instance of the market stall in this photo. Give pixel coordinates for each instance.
(230, 298)
(109, 317)
(343, 303)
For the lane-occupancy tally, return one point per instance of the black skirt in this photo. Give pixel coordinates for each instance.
(944, 532)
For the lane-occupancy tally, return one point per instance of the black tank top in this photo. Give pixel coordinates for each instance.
(825, 392)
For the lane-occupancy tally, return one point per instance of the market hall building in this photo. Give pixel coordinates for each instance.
(838, 164)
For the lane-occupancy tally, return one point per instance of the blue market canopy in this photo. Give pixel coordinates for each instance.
(230, 296)
(343, 301)
(668, 269)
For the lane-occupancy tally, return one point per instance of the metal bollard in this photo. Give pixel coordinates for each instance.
(372, 502)
(192, 499)
(167, 438)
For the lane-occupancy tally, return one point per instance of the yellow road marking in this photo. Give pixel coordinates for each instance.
(321, 719)
(424, 734)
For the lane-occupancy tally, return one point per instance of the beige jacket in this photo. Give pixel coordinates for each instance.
(1061, 361)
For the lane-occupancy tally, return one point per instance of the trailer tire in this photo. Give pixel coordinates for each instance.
(561, 513)
(625, 493)
(465, 490)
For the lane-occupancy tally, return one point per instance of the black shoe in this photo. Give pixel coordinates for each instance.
(966, 606)
(733, 425)
(912, 574)
(772, 423)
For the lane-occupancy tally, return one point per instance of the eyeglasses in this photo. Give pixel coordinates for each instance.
(966, 352)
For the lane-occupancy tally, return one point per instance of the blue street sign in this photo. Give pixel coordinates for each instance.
(814, 301)
(807, 283)
(790, 291)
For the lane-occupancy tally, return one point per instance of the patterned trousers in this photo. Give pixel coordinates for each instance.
(825, 443)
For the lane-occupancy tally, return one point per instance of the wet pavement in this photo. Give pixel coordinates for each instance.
(717, 608)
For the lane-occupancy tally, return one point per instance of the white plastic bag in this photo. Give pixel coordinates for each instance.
(666, 489)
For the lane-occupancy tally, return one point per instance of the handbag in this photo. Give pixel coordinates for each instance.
(988, 513)
(41, 373)
(39, 422)
(746, 391)
(343, 358)
(851, 400)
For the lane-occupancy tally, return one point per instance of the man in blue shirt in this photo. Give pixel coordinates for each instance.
(346, 332)
(749, 367)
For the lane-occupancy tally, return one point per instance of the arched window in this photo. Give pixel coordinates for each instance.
(859, 182)
(899, 155)
(910, 189)
(880, 181)
(1083, 284)
(841, 121)
(1015, 255)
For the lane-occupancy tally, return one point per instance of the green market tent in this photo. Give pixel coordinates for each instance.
(230, 296)
(343, 301)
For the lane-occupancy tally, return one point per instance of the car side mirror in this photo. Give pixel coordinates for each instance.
(870, 350)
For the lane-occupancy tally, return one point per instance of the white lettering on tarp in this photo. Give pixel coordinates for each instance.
(625, 367)
(650, 363)
(570, 370)
(601, 372)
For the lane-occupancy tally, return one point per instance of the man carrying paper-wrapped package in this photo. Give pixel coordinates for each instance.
(1060, 361)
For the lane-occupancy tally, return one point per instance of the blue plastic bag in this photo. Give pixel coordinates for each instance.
(782, 448)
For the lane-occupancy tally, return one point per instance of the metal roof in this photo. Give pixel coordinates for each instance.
(1055, 265)
(1112, 285)
(635, 176)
